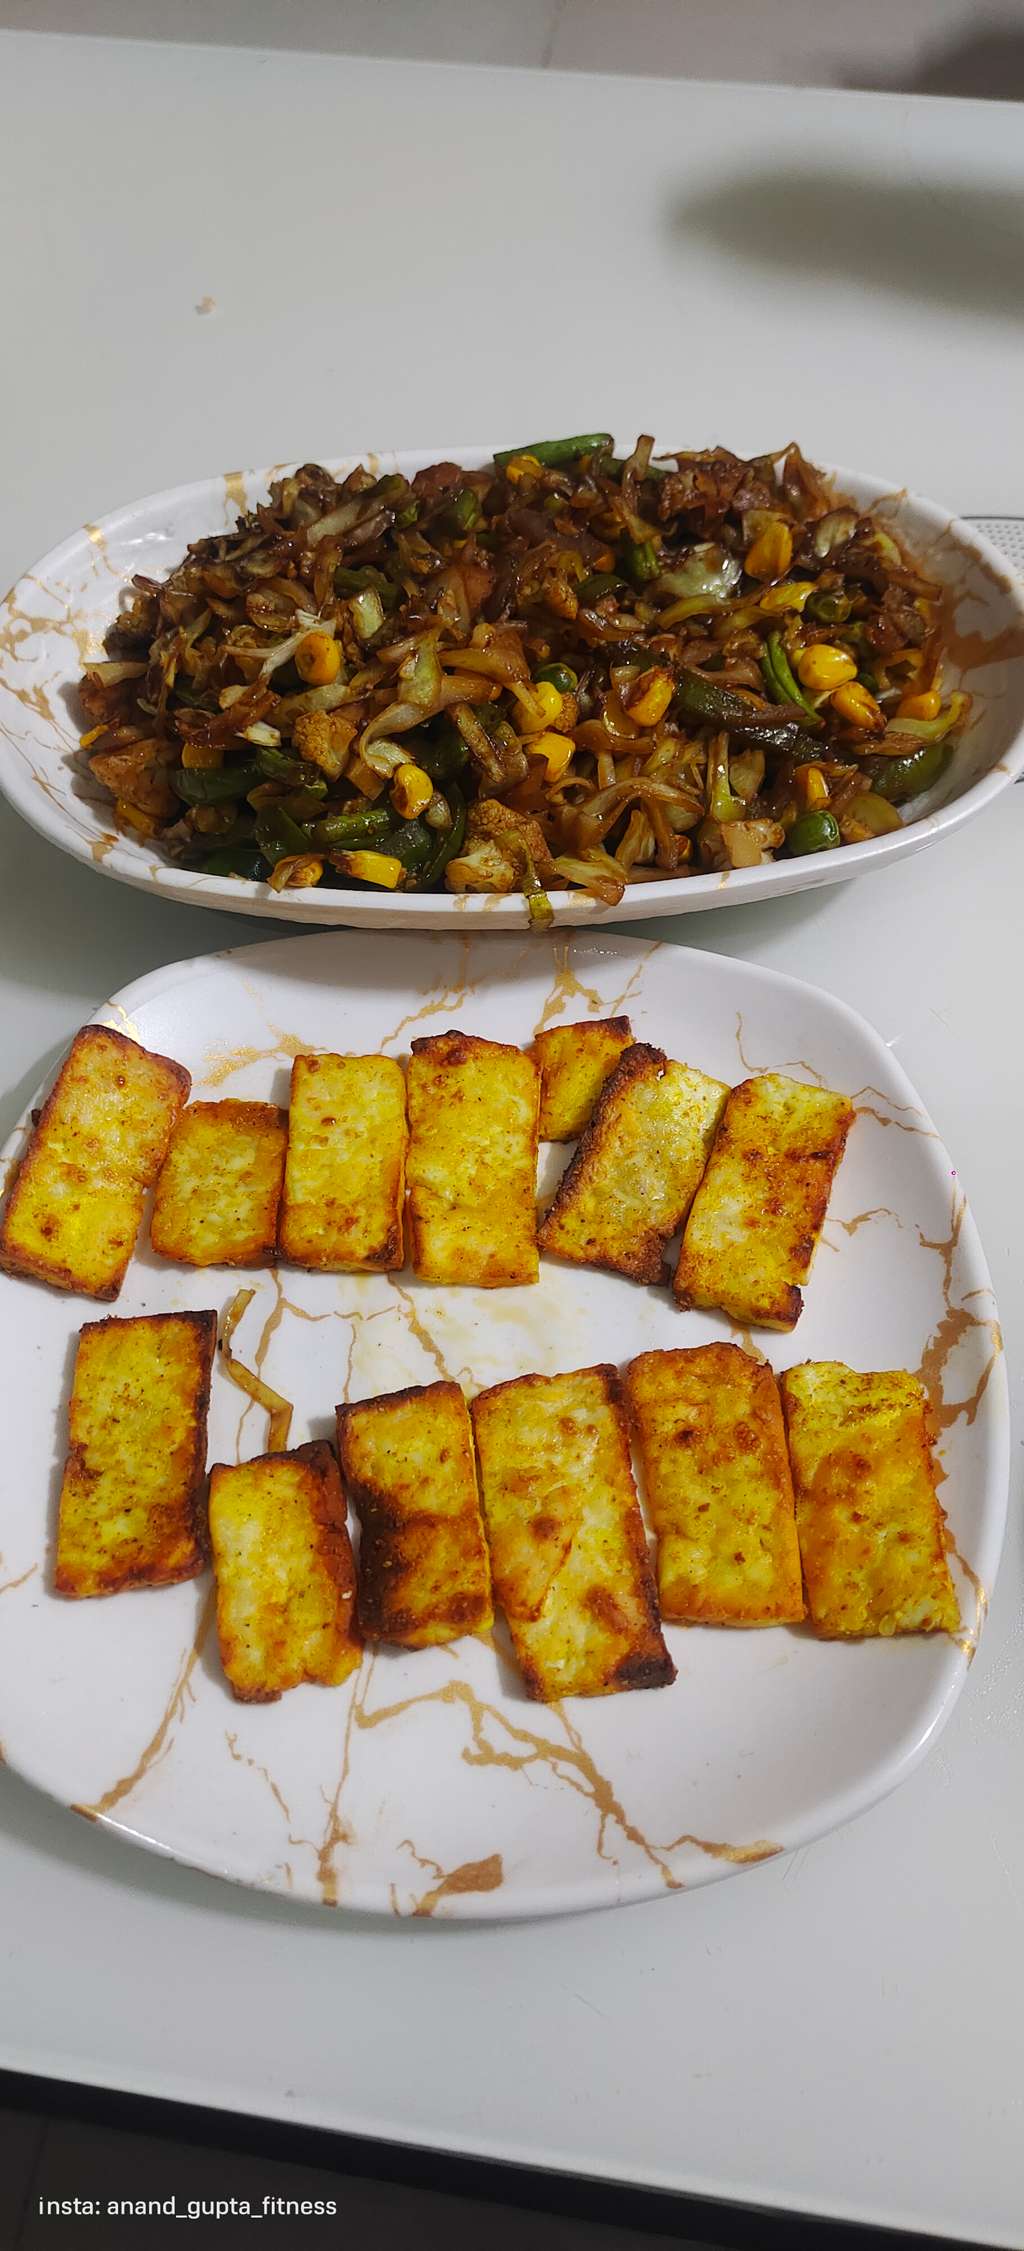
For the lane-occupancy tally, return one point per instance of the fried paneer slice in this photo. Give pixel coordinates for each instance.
(756, 1218)
(73, 1213)
(344, 1175)
(637, 1168)
(219, 1189)
(132, 1501)
(575, 1062)
(872, 1535)
(409, 1471)
(712, 1445)
(286, 1581)
(567, 1540)
(472, 1166)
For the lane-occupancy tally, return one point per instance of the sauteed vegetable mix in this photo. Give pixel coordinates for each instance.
(562, 670)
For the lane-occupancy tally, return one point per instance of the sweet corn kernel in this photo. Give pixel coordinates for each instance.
(380, 868)
(524, 465)
(926, 704)
(811, 787)
(656, 690)
(822, 667)
(556, 751)
(854, 704)
(549, 698)
(771, 553)
(792, 596)
(411, 791)
(318, 660)
(131, 816)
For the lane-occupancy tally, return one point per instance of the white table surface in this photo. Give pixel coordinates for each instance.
(404, 254)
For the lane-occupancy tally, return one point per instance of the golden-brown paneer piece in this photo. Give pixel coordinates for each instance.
(575, 1062)
(757, 1215)
(74, 1210)
(472, 1165)
(637, 1168)
(871, 1532)
(408, 1468)
(132, 1502)
(286, 1582)
(712, 1445)
(567, 1541)
(344, 1177)
(218, 1192)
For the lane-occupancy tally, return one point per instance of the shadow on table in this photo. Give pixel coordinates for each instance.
(986, 64)
(958, 245)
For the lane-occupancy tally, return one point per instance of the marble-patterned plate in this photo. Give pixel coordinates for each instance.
(428, 1783)
(55, 618)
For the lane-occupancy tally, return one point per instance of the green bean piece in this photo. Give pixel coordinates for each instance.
(350, 832)
(813, 832)
(901, 778)
(554, 453)
(450, 841)
(642, 562)
(561, 676)
(599, 583)
(407, 516)
(466, 510)
(239, 859)
(280, 766)
(279, 837)
(782, 682)
(214, 785)
(704, 703)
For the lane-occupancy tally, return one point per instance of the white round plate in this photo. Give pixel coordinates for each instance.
(429, 1782)
(56, 616)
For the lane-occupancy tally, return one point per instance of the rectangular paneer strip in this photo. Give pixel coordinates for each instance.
(712, 1445)
(575, 1061)
(344, 1178)
(757, 1215)
(567, 1540)
(132, 1502)
(408, 1467)
(637, 1168)
(217, 1196)
(472, 1167)
(872, 1534)
(74, 1210)
(286, 1581)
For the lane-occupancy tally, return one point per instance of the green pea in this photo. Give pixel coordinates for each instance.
(642, 562)
(813, 832)
(561, 677)
(827, 608)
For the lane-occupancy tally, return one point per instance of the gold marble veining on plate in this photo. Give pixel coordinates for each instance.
(162, 1740)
